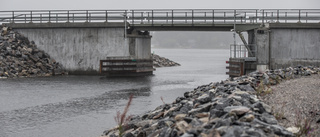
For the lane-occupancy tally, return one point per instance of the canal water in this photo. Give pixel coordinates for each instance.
(85, 106)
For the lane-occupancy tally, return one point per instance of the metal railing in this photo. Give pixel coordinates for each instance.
(165, 16)
(240, 51)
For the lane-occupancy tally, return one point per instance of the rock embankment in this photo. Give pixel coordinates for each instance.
(21, 58)
(227, 108)
(163, 62)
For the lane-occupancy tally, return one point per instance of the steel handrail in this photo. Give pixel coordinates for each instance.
(165, 16)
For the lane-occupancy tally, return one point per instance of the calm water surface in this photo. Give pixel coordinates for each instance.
(84, 106)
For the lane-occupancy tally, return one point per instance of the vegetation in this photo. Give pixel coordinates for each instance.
(122, 119)
(304, 124)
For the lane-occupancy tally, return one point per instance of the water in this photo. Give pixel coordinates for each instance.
(85, 106)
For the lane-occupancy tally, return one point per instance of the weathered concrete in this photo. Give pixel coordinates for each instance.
(291, 47)
(285, 45)
(260, 38)
(79, 50)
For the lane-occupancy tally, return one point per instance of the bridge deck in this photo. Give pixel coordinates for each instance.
(176, 19)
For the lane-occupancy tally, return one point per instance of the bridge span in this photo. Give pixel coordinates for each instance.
(80, 39)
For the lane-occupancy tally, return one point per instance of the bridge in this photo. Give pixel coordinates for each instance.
(124, 34)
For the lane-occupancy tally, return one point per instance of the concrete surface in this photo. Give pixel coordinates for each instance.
(296, 46)
(79, 50)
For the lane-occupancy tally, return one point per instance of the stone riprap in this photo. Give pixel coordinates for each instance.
(163, 62)
(21, 58)
(228, 108)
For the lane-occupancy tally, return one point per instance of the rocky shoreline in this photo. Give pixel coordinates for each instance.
(20, 57)
(162, 61)
(228, 108)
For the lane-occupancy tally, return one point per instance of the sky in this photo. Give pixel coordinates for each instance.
(6, 5)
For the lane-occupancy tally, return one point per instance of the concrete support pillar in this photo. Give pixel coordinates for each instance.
(263, 49)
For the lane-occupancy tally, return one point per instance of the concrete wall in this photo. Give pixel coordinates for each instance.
(79, 50)
(292, 47)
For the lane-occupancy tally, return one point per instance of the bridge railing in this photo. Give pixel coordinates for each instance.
(165, 16)
(240, 51)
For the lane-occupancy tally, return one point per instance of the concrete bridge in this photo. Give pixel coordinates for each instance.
(79, 39)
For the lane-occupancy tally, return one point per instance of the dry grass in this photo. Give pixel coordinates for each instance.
(122, 119)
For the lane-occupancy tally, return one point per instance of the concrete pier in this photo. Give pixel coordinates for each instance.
(79, 49)
(284, 45)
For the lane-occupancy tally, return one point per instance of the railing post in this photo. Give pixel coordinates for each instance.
(56, 17)
(306, 17)
(299, 16)
(212, 17)
(87, 16)
(30, 16)
(12, 16)
(172, 17)
(262, 18)
(245, 17)
(186, 16)
(141, 17)
(132, 17)
(205, 17)
(40, 18)
(25, 18)
(224, 17)
(106, 16)
(257, 16)
(68, 17)
(192, 17)
(278, 16)
(49, 16)
(152, 17)
(286, 17)
(167, 17)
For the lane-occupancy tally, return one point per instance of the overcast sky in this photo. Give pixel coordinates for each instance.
(156, 4)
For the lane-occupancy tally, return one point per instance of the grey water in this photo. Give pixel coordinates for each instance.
(85, 106)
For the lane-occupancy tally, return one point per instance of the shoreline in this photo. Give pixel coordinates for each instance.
(226, 108)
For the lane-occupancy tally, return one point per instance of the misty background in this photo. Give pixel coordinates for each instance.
(193, 39)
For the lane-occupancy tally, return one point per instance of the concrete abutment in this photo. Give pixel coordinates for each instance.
(284, 45)
(79, 47)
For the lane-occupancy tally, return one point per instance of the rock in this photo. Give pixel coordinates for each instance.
(202, 108)
(216, 113)
(22, 58)
(247, 118)
(182, 126)
(179, 117)
(226, 108)
(205, 98)
(270, 119)
(162, 62)
(238, 110)
(293, 130)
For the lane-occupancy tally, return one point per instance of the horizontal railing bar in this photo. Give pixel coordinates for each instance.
(138, 16)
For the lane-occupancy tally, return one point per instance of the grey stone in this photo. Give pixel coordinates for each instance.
(216, 113)
(234, 131)
(187, 135)
(238, 110)
(205, 98)
(270, 119)
(202, 108)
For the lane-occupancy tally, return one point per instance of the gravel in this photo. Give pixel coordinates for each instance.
(296, 95)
